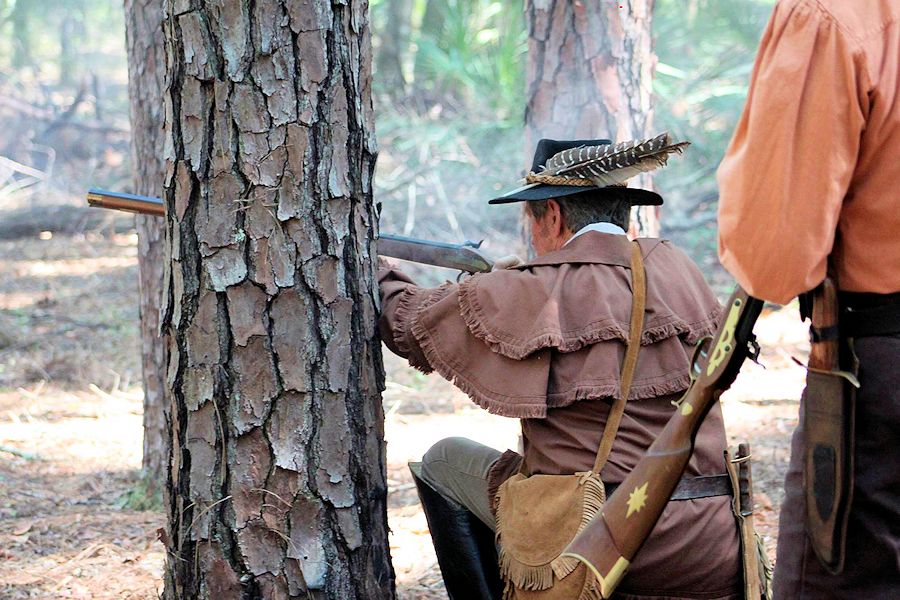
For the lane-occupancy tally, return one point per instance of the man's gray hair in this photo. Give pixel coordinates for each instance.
(579, 210)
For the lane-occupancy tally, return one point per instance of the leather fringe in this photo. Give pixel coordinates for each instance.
(522, 576)
(594, 495)
(591, 590)
(473, 314)
(497, 405)
(519, 575)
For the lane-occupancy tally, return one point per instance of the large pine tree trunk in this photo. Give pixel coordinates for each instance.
(277, 482)
(590, 71)
(146, 82)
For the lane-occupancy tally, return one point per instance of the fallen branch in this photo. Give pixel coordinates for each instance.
(19, 453)
(31, 221)
(46, 114)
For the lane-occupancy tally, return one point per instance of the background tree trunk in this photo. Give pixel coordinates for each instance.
(277, 481)
(394, 42)
(146, 82)
(21, 35)
(590, 71)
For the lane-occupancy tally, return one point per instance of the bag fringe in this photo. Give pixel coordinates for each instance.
(594, 495)
(591, 590)
(515, 573)
(525, 577)
(519, 575)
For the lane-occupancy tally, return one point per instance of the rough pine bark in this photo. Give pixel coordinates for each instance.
(589, 75)
(277, 482)
(146, 82)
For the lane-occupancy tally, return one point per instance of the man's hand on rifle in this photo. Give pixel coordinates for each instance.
(507, 262)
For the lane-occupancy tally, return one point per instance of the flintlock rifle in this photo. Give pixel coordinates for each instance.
(462, 257)
(609, 542)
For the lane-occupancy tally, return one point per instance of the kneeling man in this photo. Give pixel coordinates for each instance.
(544, 342)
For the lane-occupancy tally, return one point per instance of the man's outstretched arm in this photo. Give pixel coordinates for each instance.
(401, 299)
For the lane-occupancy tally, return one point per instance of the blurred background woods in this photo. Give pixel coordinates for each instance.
(63, 106)
(450, 102)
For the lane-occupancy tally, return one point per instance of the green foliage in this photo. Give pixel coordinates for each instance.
(472, 54)
(61, 40)
(448, 133)
(451, 136)
(144, 495)
(463, 53)
(706, 50)
(449, 94)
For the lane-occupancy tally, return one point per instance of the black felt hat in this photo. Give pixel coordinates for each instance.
(546, 149)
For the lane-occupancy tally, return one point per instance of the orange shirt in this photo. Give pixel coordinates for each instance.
(814, 166)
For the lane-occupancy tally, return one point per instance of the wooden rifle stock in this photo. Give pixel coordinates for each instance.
(824, 353)
(608, 544)
(462, 257)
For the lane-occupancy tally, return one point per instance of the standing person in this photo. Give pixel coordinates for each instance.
(812, 180)
(544, 342)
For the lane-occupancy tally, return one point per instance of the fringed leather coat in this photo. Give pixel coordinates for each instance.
(544, 343)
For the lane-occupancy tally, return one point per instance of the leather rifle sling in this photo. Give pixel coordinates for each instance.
(636, 328)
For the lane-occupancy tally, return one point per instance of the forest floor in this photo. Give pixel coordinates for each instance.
(70, 428)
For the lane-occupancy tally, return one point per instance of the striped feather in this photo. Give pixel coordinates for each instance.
(613, 164)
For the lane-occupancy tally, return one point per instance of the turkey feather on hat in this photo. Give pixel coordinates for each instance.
(613, 164)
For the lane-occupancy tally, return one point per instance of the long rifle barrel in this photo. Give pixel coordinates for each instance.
(128, 202)
(462, 257)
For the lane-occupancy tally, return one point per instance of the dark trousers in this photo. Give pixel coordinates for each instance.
(872, 566)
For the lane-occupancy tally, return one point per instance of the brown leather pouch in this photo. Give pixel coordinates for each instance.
(827, 410)
(828, 419)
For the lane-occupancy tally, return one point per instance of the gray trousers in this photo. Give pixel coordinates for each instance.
(872, 569)
(458, 468)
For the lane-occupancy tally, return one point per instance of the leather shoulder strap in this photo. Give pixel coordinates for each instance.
(638, 304)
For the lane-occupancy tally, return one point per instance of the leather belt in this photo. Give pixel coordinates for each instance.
(691, 488)
(870, 321)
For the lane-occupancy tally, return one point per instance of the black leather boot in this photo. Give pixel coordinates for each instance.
(464, 545)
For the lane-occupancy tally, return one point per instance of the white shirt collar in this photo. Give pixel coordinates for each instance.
(601, 227)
